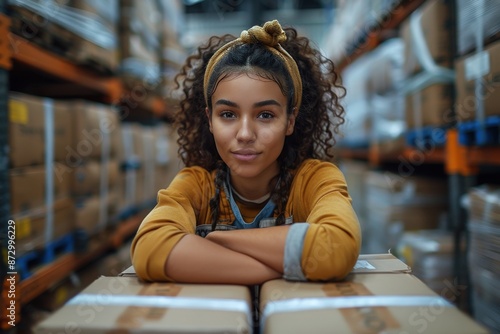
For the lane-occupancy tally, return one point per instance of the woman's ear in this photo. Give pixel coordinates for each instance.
(207, 112)
(291, 123)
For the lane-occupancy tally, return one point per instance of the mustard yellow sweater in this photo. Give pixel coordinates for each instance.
(318, 197)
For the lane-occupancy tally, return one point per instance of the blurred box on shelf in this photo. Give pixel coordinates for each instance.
(430, 106)
(396, 204)
(361, 303)
(71, 29)
(31, 226)
(434, 23)
(57, 295)
(430, 254)
(140, 44)
(355, 173)
(483, 208)
(108, 11)
(474, 16)
(28, 187)
(86, 178)
(483, 67)
(128, 304)
(95, 128)
(96, 213)
(27, 129)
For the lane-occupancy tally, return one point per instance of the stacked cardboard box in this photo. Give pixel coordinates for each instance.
(379, 295)
(371, 301)
(82, 31)
(375, 108)
(427, 34)
(355, 173)
(484, 255)
(93, 165)
(127, 304)
(477, 78)
(430, 255)
(39, 130)
(149, 162)
(396, 204)
(140, 44)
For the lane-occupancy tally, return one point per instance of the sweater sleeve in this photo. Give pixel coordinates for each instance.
(333, 240)
(175, 215)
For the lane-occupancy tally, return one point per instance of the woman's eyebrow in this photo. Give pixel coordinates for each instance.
(267, 103)
(226, 103)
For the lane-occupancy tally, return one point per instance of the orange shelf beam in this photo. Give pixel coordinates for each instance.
(32, 56)
(434, 155)
(5, 50)
(374, 38)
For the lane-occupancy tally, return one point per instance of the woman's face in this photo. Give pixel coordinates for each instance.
(249, 123)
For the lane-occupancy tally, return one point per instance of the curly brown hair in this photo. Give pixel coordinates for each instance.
(318, 119)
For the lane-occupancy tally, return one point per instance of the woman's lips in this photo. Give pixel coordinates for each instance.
(245, 155)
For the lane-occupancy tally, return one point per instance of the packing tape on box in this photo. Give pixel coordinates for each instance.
(321, 303)
(48, 108)
(149, 166)
(104, 177)
(210, 304)
(130, 171)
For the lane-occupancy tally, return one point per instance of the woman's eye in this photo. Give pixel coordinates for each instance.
(266, 115)
(226, 114)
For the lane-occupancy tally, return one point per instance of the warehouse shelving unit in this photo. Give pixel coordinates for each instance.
(460, 163)
(19, 56)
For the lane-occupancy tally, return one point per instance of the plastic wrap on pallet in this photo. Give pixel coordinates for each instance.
(483, 205)
(352, 23)
(84, 24)
(139, 68)
(374, 110)
(108, 10)
(431, 72)
(473, 18)
(428, 83)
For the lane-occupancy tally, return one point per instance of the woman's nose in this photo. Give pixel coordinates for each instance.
(246, 131)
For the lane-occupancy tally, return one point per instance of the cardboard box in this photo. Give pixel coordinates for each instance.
(396, 204)
(484, 66)
(93, 126)
(115, 304)
(436, 26)
(94, 214)
(140, 31)
(27, 130)
(86, 178)
(473, 16)
(429, 107)
(362, 303)
(31, 226)
(27, 187)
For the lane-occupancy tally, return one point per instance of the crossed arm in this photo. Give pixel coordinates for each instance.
(239, 257)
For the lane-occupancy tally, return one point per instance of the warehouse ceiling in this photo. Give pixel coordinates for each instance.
(215, 17)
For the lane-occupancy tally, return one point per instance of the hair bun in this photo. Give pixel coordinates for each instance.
(271, 34)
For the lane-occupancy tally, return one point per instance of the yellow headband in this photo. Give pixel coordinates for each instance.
(271, 35)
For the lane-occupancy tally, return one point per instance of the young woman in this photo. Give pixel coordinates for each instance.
(255, 202)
